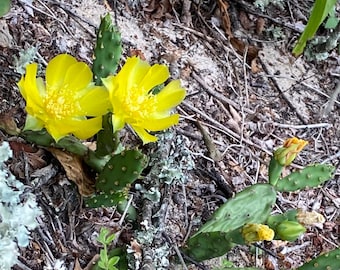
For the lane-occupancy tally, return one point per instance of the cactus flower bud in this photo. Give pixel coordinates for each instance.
(291, 147)
(309, 218)
(289, 230)
(257, 232)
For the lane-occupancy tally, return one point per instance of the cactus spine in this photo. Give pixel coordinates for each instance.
(108, 50)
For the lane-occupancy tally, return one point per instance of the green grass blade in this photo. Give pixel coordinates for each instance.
(320, 10)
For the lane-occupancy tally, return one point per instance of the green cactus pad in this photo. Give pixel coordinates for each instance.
(107, 140)
(311, 176)
(114, 181)
(108, 50)
(327, 261)
(207, 245)
(252, 205)
(218, 235)
(275, 170)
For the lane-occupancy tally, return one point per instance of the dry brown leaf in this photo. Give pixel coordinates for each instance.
(7, 123)
(214, 153)
(223, 6)
(135, 246)
(75, 170)
(255, 68)
(244, 20)
(241, 48)
(158, 9)
(77, 265)
(236, 116)
(139, 53)
(260, 25)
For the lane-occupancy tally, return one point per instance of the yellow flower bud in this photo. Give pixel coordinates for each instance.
(291, 147)
(257, 232)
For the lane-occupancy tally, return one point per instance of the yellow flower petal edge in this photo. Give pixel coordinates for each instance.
(133, 102)
(67, 102)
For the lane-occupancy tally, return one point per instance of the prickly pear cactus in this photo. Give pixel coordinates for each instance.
(217, 236)
(114, 181)
(274, 220)
(275, 170)
(252, 205)
(311, 176)
(107, 139)
(208, 245)
(327, 261)
(107, 51)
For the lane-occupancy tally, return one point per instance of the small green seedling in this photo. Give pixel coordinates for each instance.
(105, 262)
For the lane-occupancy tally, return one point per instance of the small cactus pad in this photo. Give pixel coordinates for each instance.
(207, 245)
(327, 261)
(311, 176)
(275, 170)
(252, 205)
(218, 235)
(114, 181)
(107, 140)
(108, 50)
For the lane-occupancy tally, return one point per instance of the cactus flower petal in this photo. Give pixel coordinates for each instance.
(257, 232)
(133, 102)
(63, 103)
(291, 147)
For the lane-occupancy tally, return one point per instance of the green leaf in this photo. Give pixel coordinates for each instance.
(104, 232)
(320, 10)
(110, 238)
(102, 265)
(331, 23)
(112, 262)
(4, 7)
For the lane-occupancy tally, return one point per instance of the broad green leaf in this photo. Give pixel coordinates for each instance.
(320, 10)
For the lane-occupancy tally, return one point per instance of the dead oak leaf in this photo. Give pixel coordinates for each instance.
(75, 170)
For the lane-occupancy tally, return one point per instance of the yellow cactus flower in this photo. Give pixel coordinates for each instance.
(63, 103)
(257, 232)
(135, 104)
(291, 147)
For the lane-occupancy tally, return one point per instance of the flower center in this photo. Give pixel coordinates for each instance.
(137, 106)
(60, 103)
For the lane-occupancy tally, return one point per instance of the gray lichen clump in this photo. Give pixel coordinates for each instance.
(170, 163)
(18, 212)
